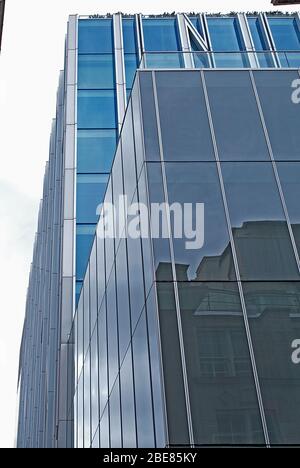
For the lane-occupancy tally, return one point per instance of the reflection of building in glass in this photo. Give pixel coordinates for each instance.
(140, 342)
(2, 7)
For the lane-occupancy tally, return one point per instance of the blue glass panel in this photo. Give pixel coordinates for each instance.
(163, 60)
(131, 65)
(197, 24)
(226, 36)
(95, 150)
(286, 36)
(97, 109)
(96, 72)
(286, 33)
(259, 41)
(95, 36)
(160, 34)
(78, 290)
(90, 192)
(84, 240)
(129, 36)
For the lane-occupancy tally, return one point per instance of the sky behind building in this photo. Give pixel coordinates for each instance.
(32, 55)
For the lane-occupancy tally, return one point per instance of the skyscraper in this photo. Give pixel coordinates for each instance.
(2, 7)
(138, 338)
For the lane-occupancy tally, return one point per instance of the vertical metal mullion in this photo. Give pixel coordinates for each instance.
(184, 41)
(274, 165)
(176, 292)
(269, 36)
(119, 68)
(137, 84)
(236, 266)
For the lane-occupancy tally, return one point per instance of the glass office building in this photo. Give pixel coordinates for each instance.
(137, 341)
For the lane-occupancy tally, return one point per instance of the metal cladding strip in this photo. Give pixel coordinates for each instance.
(141, 40)
(179, 322)
(247, 39)
(184, 40)
(269, 144)
(138, 35)
(236, 266)
(67, 302)
(119, 68)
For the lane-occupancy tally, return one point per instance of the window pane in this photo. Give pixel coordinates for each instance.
(104, 430)
(172, 367)
(102, 347)
(123, 300)
(94, 382)
(225, 34)
(286, 33)
(160, 35)
(95, 36)
(260, 42)
(144, 415)
(280, 113)
(95, 150)
(112, 331)
(84, 241)
(127, 402)
(96, 72)
(199, 183)
(130, 69)
(129, 33)
(115, 417)
(96, 109)
(289, 174)
(149, 117)
(93, 287)
(260, 230)
(235, 115)
(221, 384)
(273, 311)
(184, 122)
(90, 193)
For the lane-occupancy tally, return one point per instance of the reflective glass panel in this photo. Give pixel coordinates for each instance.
(90, 193)
(96, 109)
(96, 72)
(95, 36)
(160, 34)
(84, 241)
(95, 150)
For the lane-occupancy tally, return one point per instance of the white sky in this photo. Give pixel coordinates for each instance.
(32, 55)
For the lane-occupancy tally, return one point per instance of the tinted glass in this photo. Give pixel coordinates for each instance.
(95, 36)
(94, 382)
(130, 69)
(127, 402)
(144, 415)
(102, 347)
(273, 312)
(96, 72)
(225, 34)
(280, 113)
(184, 122)
(112, 331)
(90, 193)
(286, 33)
(129, 34)
(84, 240)
(235, 115)
(123, 299)
(149, 117)
(212, 260)
(160, 35)
(221, 384)
(95, 150)
(96, 109)
(260, 230)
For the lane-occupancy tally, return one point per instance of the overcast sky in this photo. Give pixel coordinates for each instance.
(32, 55)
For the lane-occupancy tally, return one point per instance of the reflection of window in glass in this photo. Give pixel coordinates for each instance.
(199, 183)
(218, 363)
(274, 317)
(289, 174)
(260, 230)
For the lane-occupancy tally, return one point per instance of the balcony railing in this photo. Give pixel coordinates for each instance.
(264, 59)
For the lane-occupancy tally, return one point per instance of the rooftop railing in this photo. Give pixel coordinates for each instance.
(249, 59)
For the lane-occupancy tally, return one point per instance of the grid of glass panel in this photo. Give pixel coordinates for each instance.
(133, 280)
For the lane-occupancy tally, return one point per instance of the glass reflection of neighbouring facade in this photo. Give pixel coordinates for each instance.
(145, 343)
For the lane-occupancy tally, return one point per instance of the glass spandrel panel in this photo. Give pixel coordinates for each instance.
(223, 398)
(274, 316)
(184, 121)
(236, 120)
(96, 72)
(260, 230)
(202, 249)
(280, 112)
(96, 109)
(95, 36)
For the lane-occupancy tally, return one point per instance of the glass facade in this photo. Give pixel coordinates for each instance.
(146, 342)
